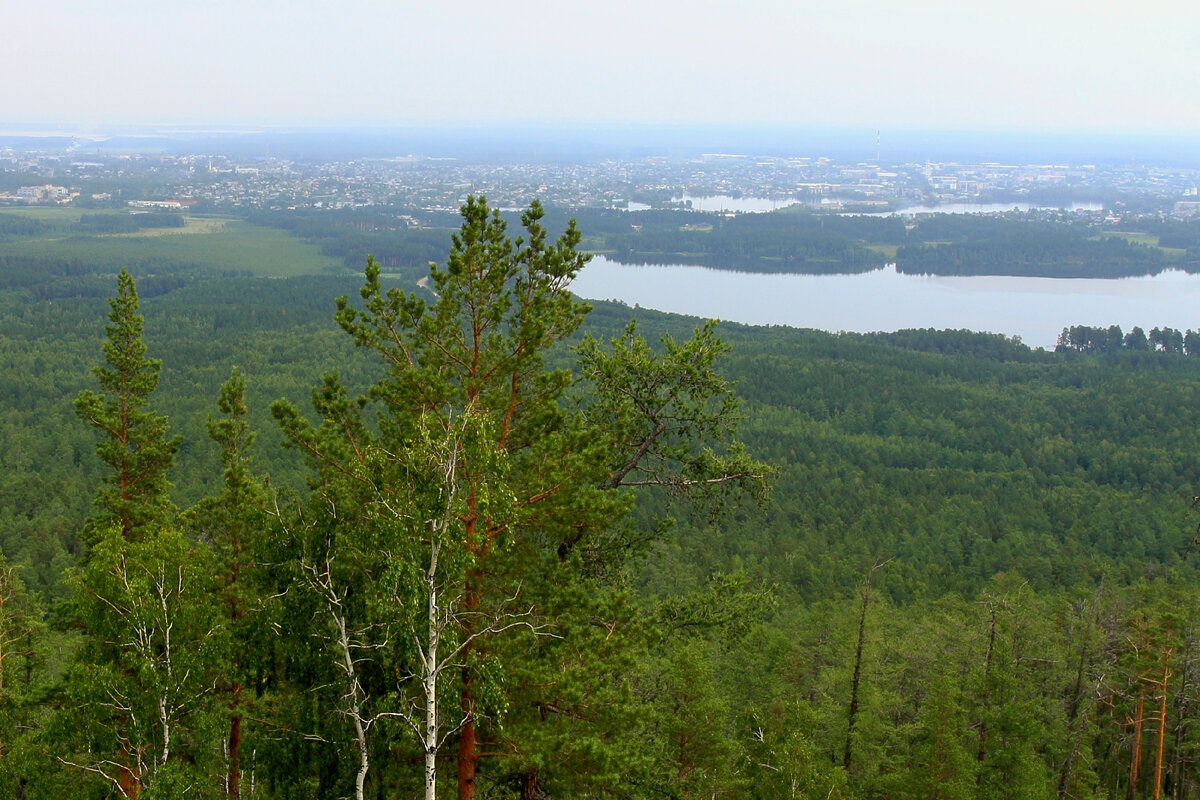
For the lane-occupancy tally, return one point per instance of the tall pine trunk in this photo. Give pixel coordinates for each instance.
(1162, 725)
(468, 755)
(1135, 762)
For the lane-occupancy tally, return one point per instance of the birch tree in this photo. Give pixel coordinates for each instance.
(148, 662)
(466, 475)
(476, 353)
(141, 684)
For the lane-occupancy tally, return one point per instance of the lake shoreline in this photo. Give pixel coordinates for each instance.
(1033, 309)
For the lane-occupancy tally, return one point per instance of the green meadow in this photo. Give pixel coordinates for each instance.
(1148, 239)
(212, 242)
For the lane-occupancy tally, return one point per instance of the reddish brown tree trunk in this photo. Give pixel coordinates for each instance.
(466, 741)
(128, 781)
(1135, 763)
(1162, 726)
(530, 788)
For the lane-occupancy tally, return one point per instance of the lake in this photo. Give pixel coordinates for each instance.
(1035, 309)
(742, 205)
(758, 205)
(978, 208)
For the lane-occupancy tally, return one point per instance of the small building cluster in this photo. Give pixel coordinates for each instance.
(45, 194)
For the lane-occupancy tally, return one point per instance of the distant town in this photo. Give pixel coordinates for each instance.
(712, 182)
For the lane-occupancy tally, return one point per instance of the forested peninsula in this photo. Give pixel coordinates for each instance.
(801, 241)
(473, 540)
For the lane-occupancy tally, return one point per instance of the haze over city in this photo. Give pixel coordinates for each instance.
(1018, 66)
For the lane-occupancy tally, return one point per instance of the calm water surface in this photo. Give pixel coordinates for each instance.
(1035, 309)
(980, 208)
(757, 205)
(743, 205)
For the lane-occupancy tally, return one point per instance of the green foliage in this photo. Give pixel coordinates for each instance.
(535, 477)
(999, 246)
(778, 242)
(687, 727)
(1169, 341)
(127, 223)
(405, 248)
(18, 225)
(231, 521)
(470, 457)
(234, 524)
(802, 241)
(217, 244)
(662, 413)
(134, 443)
(1035, 505)
(137, 694)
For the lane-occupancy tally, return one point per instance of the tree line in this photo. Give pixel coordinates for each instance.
(793, 239)
(1088, 339)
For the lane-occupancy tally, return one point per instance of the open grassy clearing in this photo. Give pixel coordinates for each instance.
(67, 216)
(54, 215)
(1146, 239)
(240, 246)
(888, 251)
(1132, 237)
(211, 242)
(190, 225)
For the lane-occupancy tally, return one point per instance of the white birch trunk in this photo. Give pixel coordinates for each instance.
(431, 675)
(355, 699)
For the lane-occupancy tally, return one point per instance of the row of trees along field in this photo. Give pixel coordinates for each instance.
(506, 559)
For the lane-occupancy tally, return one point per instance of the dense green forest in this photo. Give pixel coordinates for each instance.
(794, 240)
(997, 246)
(791, 240)
(975, 573)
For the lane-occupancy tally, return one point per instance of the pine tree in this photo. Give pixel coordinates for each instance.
(484, 496)
(232, 523)
(138, 688)
(135, 442)
(468, 411)
(22, 627)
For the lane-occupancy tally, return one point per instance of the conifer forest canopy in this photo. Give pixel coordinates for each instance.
(477, 539)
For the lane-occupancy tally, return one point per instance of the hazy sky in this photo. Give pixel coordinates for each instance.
(1011, 64)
